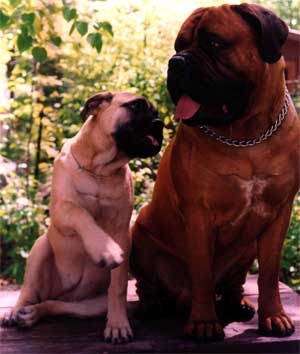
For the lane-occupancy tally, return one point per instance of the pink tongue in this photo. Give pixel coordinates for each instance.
(186, 108)
(153, 140)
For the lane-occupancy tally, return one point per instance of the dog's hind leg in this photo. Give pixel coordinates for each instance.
(29, 315)
(37, 276)
(174, 279)
(162, 283)
(233, 306)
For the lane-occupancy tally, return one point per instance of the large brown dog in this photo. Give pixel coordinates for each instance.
(226, 183)
(91, 206)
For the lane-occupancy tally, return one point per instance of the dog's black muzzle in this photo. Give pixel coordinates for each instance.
(142, 135)
(209, 83)
(179, 79)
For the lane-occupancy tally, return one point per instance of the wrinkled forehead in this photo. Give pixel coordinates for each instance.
(124, 97)
(224, 22)
(220, 20)
(121, 97)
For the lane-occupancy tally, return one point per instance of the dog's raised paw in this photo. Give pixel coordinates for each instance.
(118, 334)
(105, 264)
(112, 256)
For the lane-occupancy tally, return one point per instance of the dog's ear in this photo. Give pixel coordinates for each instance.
(271, 32)
(93, 104)
(186, 33)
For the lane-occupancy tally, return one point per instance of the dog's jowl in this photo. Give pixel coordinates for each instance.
(226, 183)
(80, 266)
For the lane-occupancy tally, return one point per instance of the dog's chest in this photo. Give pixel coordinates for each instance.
(252, 199)
(103, 197)
(253, 205)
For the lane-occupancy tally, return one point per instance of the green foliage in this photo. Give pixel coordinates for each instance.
(290, 263)
(56, 40)
(24, 42)
(105, 26)
(38, 28)
(82, 27)
(95, 40)
(20, 222)
(69, 14)
(3, 20)
(50, 89)
(39, 54)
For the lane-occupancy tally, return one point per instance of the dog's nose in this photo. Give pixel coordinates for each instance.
(159, 124)
(177, 62)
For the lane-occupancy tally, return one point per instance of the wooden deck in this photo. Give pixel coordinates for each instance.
(66, 335)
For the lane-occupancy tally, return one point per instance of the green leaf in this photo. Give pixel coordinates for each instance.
(24, 30)
(15, 2)
(98, 44)
(106, 26)
(28, 18)
(95, 40)
(24, 42)
(91, 38)
(39, 54)
(27, 29)
(69, 14)
(56, 40)
(3, 19)
(82, 27)
(41, 12)
(28, 22)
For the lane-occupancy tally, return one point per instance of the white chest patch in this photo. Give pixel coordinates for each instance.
(252, 191)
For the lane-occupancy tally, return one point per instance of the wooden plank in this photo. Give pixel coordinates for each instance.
(67, 335)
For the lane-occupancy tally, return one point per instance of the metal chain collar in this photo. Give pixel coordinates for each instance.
(255, 141)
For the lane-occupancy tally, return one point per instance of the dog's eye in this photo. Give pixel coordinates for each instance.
(214, 44)
(211, 41)
(138, 105)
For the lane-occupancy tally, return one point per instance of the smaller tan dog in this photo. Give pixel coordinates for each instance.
(68, 269)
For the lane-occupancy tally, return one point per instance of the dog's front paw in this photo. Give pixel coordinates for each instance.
(27, 316)
(9, 319)
(279, 325)
(112, 255)
(118, 333)
(206, 331)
